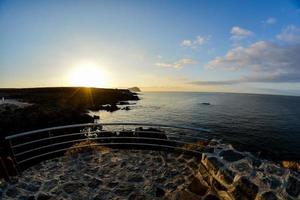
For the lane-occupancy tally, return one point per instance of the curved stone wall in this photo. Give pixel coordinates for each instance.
(239, 175)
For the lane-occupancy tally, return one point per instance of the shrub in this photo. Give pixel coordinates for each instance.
(86, 146)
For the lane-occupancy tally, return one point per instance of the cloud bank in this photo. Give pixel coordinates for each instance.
(200, 40)
(290, 34)
(178, 64)
(262, 61)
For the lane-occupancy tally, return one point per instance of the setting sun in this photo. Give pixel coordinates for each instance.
(88, 74)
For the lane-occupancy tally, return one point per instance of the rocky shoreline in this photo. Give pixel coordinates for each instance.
(221, 172)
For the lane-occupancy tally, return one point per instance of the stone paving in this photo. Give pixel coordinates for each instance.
(123, 174)
(221, 172)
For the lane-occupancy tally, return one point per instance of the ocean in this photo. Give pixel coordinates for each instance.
(266, 125)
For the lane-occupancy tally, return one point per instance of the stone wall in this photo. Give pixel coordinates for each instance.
(236, 175)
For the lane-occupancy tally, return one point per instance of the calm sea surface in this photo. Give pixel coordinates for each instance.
(257, 123)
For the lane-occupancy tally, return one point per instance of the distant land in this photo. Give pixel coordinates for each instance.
(134, 89)
(47, 107)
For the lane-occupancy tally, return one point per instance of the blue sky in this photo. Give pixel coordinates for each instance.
(224, 46)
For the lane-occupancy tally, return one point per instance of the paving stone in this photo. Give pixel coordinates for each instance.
(49, 185)
(72, 187)
(12, 192)
(124, 190)
(26, 198)
(44, 196)
(95, 183)
(135, 178)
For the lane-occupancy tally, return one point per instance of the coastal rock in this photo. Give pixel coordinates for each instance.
(182, 195)
(211, 197)
(267, 196)
(159, 192)
(271, 182)
(245, 189)
(197, 187)
(213, 164)
(293, 186)
(226, 176)
(231, 156)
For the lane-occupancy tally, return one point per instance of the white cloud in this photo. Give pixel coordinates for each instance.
(290, 34)
(178, 64)
(270, 21)
(187, 43)
(198, 41)
(261, 61)
(238, 33)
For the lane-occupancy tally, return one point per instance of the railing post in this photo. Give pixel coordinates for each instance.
(14, 157)
(4, 168)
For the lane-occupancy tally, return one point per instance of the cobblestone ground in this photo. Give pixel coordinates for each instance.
(123, 174)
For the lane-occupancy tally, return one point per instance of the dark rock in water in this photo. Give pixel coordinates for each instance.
(110, 107)
(159, 192)
(231, 156)
(123, 103)
(96, 117)
(268, 196)
(293, 186)
(126, 108)
(205, 103)
(197, 187)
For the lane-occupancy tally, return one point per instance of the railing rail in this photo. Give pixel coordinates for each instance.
(25, 147)
(105, 124)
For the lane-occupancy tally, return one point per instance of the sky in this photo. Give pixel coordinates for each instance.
(159, 45)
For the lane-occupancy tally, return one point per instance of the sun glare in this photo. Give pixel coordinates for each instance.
(88, 75)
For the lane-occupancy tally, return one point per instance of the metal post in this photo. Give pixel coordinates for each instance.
(6, 174)
(14, 158)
